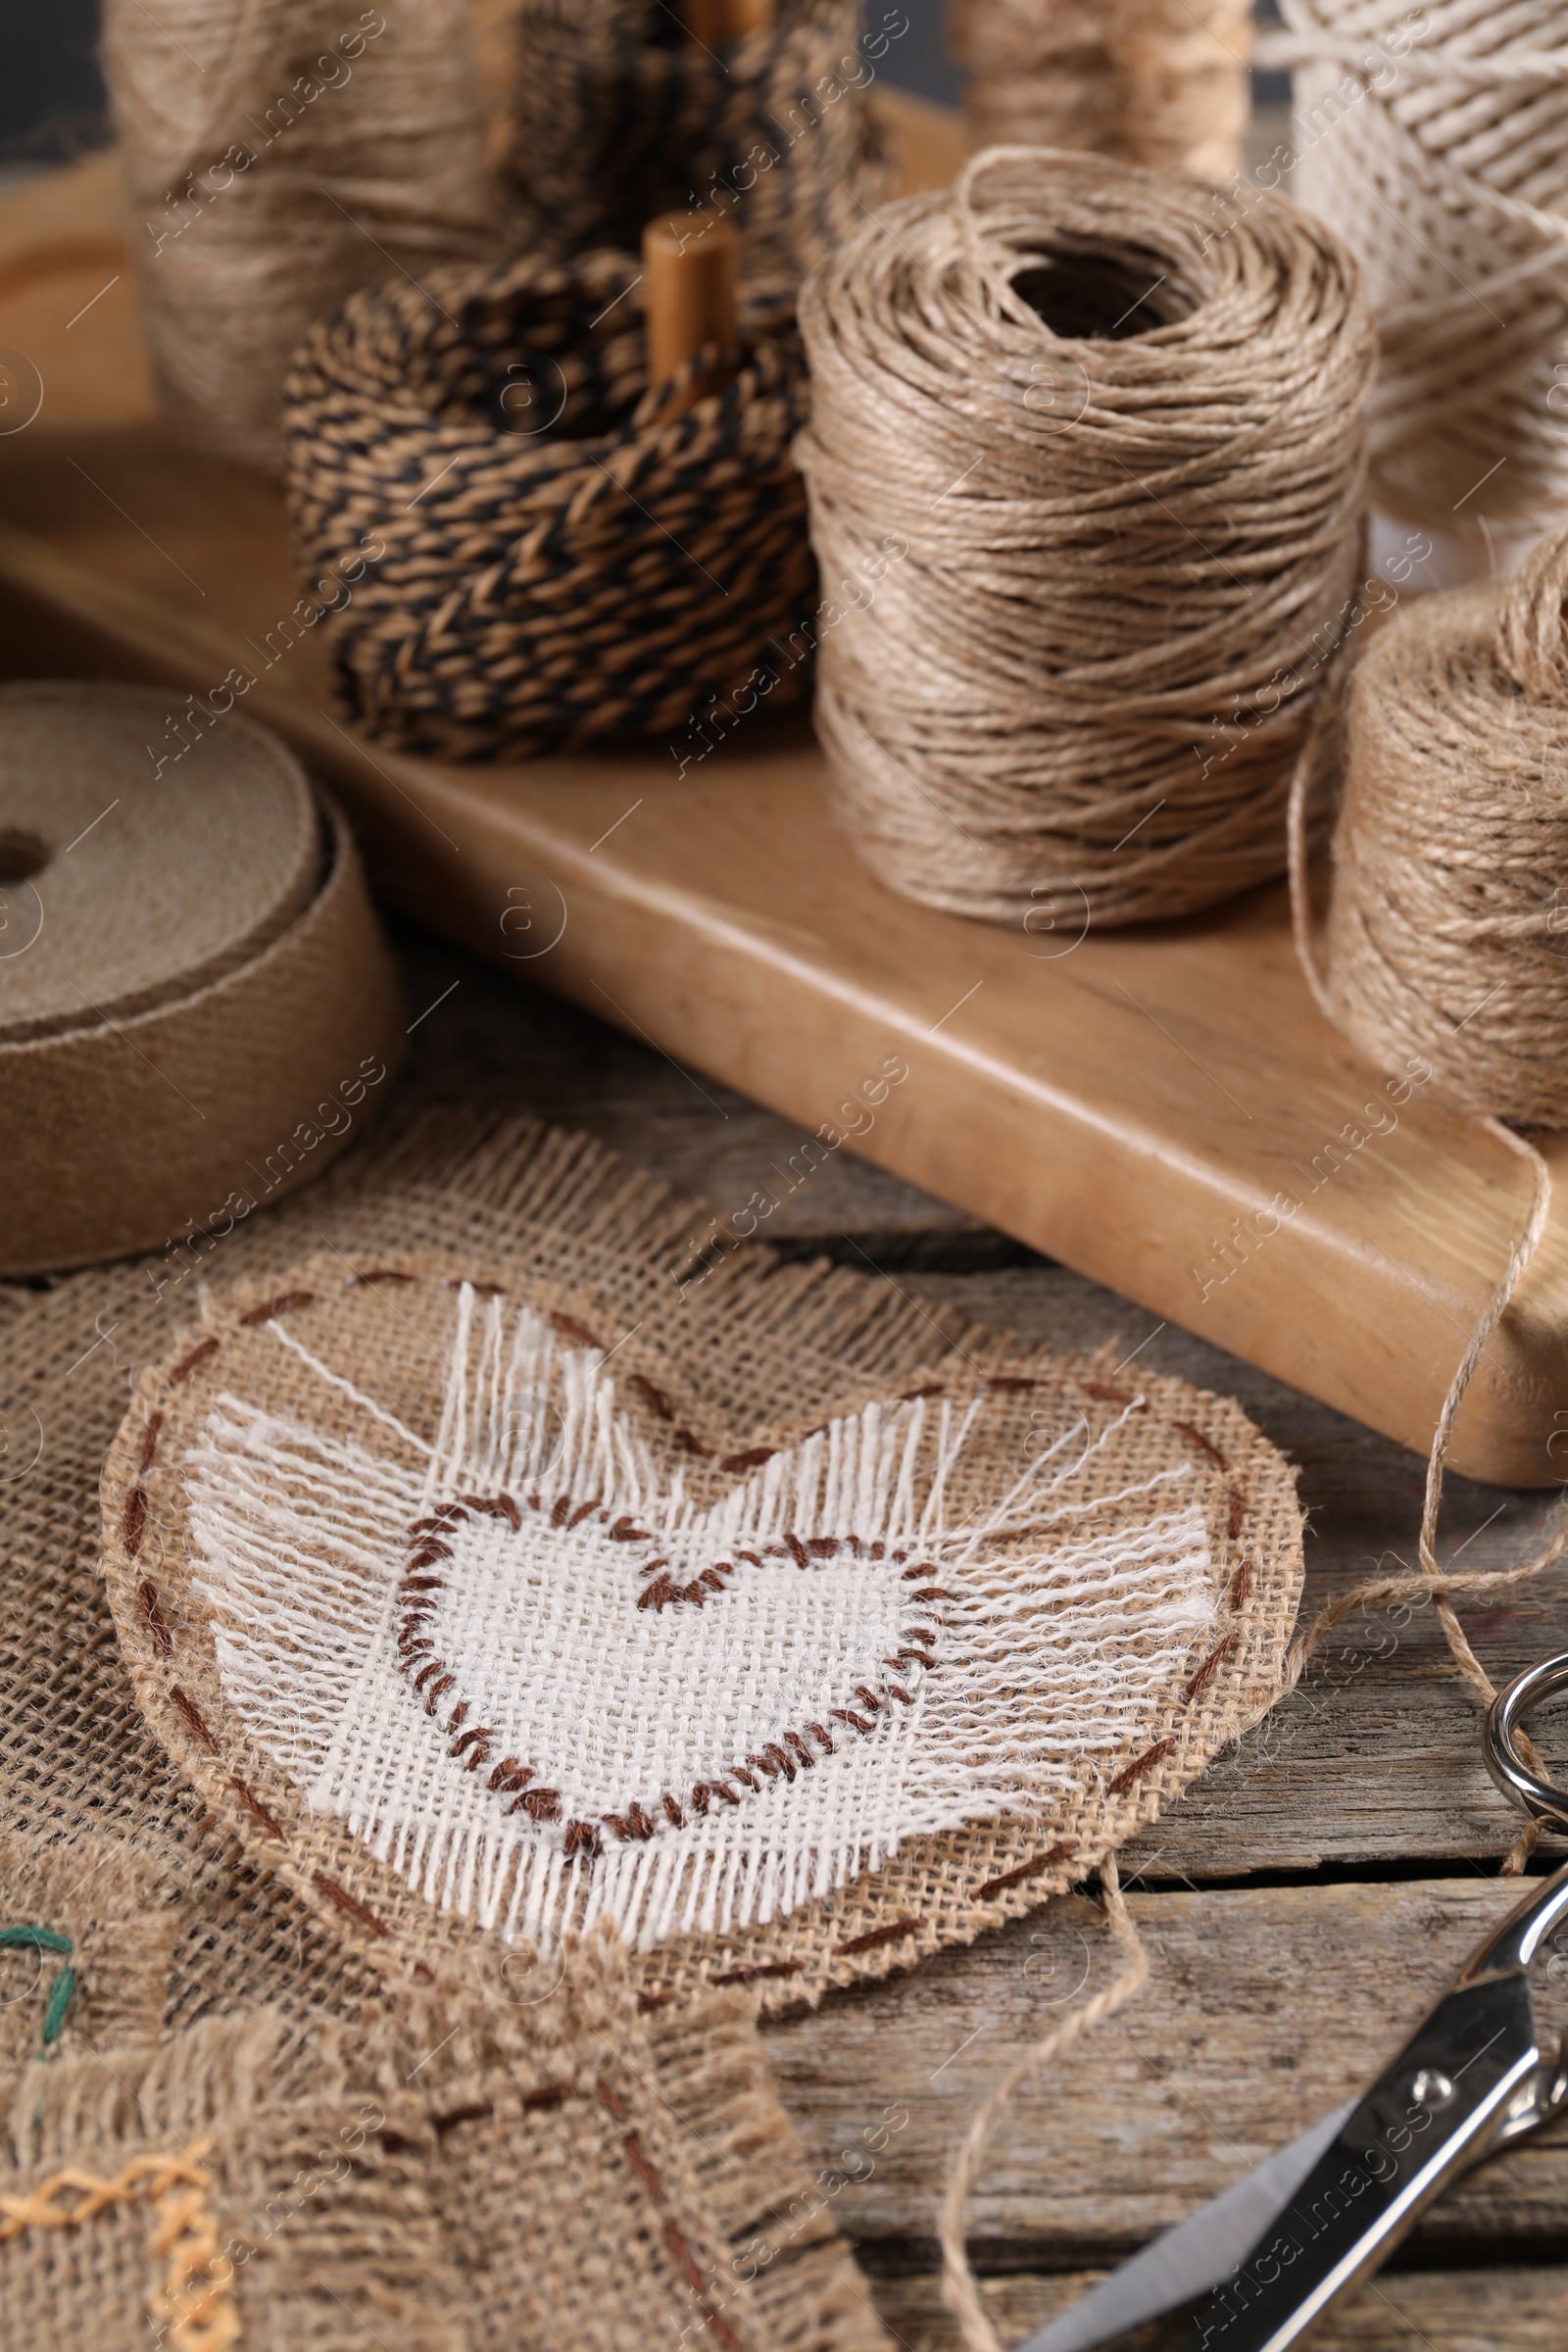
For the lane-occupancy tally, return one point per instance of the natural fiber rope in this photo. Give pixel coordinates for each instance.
(274, 158)
(622, 115)
(564, 554)
(1157, 83)
(1443, 161)
(1129, 555)
(1441, 923)
(959, 2291)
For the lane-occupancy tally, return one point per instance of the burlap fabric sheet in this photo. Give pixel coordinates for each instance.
(501, 1314)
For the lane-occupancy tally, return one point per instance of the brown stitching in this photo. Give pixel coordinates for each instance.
(584, 1510)
(681, 2254)
(843, 1715)
(441, 2125)
(434, 1667)
(1210, 1665)
(920, 1568)
(549, 2094)
(752, 1459)
(571, 1329)
(627, 1531)
(134, 1519)
(898, 1692)
(869, 1696)
(689, 1442)
(510, 1774)
(798, 1551)
(1238, 1513)
(817, 1733)
(498, 1506)
(610, 2100)
(1204, 1444)
(276, 1307)
(655, 1398)
(763, 1967)
(581, 1837)
(933, 1593)
(1028, 1870)
(561, 1510)
(1001, 1380)
(256, 1809)
(349, 1903)
(642, 2167)
(540, 1804)
(442, 1684)
(1239, 1583)
(1105, 1394)
(911, 1396)
(149, 1443)
(188, 1363)
(794, 1740)
(150, 1609)
(873, 1936)
(659, 1594)
(672, 1811)
(647, 2002)
(179, 1698)
(477, 1731)
(1135, 1771)
(379, 1274)
(754, 1557)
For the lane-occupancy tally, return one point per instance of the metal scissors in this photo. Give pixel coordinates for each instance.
(1262, 2263)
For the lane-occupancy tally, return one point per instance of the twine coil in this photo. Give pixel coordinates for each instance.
(196, 1007)
(621, 115)
(275, 157)
(1116, 432)
(1436, 143)
(566, 553)
(1448, 931)
(1162, 83)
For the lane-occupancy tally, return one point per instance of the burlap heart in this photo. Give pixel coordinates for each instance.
(480, 1610)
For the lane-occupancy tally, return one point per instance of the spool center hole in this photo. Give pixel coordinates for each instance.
(1089, 295)
(22, 854)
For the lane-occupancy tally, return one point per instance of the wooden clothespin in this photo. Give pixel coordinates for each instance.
(691, 275)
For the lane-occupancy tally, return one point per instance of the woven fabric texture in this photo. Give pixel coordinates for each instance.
(622, 115)
(183, 1939)
(364, 1416)
(197, 1007)
(563, 554)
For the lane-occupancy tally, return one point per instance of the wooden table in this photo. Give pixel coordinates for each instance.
(1302, 1901)
(1299, 1904)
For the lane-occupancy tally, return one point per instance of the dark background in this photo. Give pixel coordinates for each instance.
(52, 99)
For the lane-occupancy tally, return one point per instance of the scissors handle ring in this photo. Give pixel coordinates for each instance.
(1504, 1718)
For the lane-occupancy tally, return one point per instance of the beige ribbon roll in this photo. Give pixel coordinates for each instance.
(197, 1008)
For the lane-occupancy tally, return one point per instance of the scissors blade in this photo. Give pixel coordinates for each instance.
(1194, 2256)
(1446, 2101)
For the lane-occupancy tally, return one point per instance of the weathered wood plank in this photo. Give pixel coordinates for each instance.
(1265, 2008)
(1508, 2310)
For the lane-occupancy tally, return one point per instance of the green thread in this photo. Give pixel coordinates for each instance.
(35, 1940)
(54, 2017)
(25, 1938)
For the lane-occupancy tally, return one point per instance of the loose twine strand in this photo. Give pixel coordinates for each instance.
(1434, 141)
(1158, 83)
(1082, 564)
(1516, 644)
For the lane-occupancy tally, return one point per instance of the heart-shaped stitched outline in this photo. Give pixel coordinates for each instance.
(192, 1712)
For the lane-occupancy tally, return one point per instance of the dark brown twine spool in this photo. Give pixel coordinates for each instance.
(556, 552)
(622, 115)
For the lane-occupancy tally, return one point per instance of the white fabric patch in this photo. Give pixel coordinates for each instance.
(623, 1705)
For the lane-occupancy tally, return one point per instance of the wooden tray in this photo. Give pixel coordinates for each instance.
(1134, 1104)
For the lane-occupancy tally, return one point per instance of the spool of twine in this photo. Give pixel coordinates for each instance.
(196, 1005)
(275, 156)
(567, 551)
(1084, 467)
(1447, 932)
(1162, 83)
(1434, 141)
(623, 112)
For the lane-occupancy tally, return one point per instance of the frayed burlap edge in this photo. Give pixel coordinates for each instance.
(843, 1337)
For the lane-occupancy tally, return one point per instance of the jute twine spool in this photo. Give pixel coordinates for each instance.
(275, 156)
(623, 115)
(1086, 454)
(569, 552)
(1436, 143)
(196, 1007)
(1157, 83)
